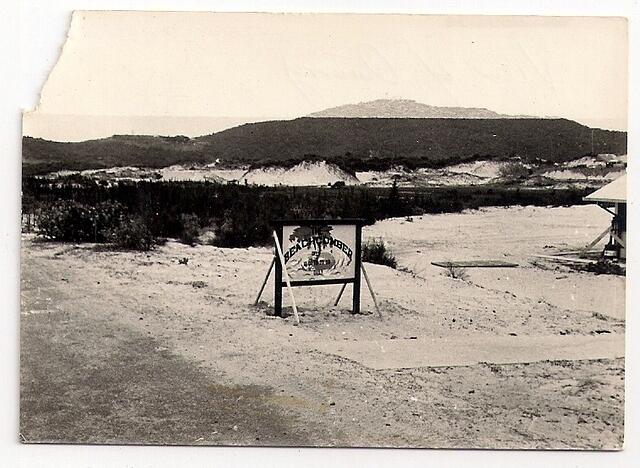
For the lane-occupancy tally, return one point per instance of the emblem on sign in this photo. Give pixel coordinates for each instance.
(319, 251)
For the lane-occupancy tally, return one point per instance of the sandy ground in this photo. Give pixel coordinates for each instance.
(125, 347)
(513, 235)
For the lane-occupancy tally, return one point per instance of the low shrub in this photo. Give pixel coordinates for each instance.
(241, 227)
(70, 221)
(376, 251)
(190, 229)
(133, 234)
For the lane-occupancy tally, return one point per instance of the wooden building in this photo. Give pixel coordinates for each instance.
(613, 198)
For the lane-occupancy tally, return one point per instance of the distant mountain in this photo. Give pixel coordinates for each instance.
(350, 143)
(405, 108)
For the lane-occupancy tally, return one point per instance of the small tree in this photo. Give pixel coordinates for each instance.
(395, 205)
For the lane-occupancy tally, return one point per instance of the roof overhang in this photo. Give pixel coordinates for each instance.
(613, 192)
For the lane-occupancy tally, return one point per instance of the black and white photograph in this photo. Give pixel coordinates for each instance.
(327, 230)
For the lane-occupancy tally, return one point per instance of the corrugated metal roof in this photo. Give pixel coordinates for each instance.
(615, 191)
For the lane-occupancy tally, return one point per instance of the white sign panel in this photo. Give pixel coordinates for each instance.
(319, 252)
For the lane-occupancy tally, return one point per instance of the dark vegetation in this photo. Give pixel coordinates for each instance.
(240, 215)
(605, 267)
(107, 221)
(132, 233)
(351, 143)
(189, 228)
(376, 251)
(515, 171)
(79, 222)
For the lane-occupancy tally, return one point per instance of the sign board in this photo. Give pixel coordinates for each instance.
(318, 252)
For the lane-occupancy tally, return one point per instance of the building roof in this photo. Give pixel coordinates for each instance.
(614, 192)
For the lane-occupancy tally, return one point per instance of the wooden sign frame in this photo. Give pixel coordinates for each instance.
(356, 256)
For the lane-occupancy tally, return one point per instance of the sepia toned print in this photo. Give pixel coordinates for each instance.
(327, 230)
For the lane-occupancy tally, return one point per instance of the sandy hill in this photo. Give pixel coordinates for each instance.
(306, 173)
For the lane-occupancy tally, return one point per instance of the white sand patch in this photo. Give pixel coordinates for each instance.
(112, 173)
(171, 173)
(423, 177)
(568, 174)
(229, 174)
(196, 175)
(179, 173)
(469, 351)
(445, 177)
(484, 169)
(385, 178)
(587, 161)
(492, 232)
(510, 234)
(304, 174)
(118, 170)
(570, 291)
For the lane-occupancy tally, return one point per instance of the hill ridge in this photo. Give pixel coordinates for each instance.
(351, 143)
(408, 108)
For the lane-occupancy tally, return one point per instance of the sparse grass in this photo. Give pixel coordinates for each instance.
(456, 272)
(540, 264)
(600, 316)
(376, 251)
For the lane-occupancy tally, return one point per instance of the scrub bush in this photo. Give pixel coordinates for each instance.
(70, 221)
(133, 234)
(190, 229)
(456, 272)
(376, 251)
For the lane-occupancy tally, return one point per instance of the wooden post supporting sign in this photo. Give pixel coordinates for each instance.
(286, 278)
(264, 283)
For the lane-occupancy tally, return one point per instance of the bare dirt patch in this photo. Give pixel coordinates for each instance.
(86, 380)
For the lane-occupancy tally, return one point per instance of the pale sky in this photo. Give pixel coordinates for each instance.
(195, 73)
